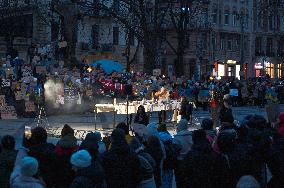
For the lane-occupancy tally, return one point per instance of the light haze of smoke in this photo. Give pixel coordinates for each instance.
(52, 90)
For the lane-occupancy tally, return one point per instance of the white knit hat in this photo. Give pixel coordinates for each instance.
(81, 159)
(29, 166)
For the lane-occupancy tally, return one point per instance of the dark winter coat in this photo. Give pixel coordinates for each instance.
(48, 164)
(121, 166)
(141, 118)
(226, 115)
(7, 161)
(186, 110)
(65, 147)
(276, 164)
(198, 166)
(89, 177)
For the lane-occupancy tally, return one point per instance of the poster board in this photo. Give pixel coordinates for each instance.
(70, 95)
(2, 100)
(234, 92)
(30, 106)
(40, 69)
(9, 72)
(8, 112)
(6, 83)
(156, 72)
(19, 96)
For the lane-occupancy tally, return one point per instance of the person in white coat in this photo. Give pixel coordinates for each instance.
(25, 173)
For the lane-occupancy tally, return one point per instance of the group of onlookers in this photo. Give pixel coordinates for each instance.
(248, 155)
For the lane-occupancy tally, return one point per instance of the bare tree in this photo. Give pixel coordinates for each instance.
(185, 18)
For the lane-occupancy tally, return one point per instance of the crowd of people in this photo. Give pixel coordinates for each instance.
(27, 82)
(249, 155)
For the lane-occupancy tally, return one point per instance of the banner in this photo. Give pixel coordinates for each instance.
(234, 92)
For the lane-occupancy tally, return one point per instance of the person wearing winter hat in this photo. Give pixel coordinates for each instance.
(120, 163)
(44, 153)
(125, 128)
(26, 177)
(147, 164)
(67, 143)
(183, 139)
(90, 143)
(198, 164)
(81, 159)
(248, 182)
(101, 144)
(88, 174)
(64, 148)
(207, 126)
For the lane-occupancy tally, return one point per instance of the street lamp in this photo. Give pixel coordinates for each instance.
(242, 72)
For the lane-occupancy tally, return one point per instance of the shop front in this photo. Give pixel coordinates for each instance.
(270, 67)
(230, 68)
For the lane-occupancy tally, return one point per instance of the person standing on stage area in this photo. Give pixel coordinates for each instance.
(186, 110)
(141, 116)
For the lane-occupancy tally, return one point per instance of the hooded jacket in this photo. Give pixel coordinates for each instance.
(121, 166)
(183, 139)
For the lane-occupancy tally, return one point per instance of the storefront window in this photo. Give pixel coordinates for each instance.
(269, 67)
(221, 70)
(279, 70)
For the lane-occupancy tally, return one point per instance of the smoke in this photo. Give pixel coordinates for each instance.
(52, 90)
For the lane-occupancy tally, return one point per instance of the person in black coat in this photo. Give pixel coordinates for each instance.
(141, 116)
(45, 154)
(121, 165)
(186, 110)
(276, 162)
(198, 168)
(88, 174)
(226, 114)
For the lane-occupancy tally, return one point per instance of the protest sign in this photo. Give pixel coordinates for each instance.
(40, 69)
(19, 96)
(89, 92)
(30, 106)
(2, 100)
(8, 112)
(6, 83)
(234, 92)
(9, 72)
(156, 72)
(59, 99)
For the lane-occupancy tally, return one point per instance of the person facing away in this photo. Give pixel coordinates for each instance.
(45, 154)
(147, 164)
(198, 164)
(7, 159)
(64, 148)
(27, 177)
(141, 116)
(88, 175)
(120, 163)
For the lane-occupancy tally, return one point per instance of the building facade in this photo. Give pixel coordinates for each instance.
(232, 39)
(96, 36)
